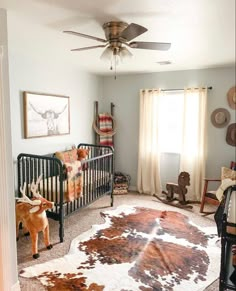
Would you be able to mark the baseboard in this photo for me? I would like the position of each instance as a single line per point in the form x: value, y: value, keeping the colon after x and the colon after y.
x: 16, y: 286
x: 133, y: 188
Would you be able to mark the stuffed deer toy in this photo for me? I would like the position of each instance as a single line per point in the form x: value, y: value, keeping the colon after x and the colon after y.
x: 33, y: 216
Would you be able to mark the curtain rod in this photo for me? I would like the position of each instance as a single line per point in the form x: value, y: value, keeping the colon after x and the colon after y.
x: 166, y: 90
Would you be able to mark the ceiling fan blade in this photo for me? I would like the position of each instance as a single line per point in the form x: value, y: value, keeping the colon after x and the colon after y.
x: 133, y: 30
x: 85, y: 35
x: 88, y: 48
x: 161, y: 46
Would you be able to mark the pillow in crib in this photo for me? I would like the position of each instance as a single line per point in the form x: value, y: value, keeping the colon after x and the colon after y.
x: 228, y: 178
x: 67, y: 156
x: 227, y: 173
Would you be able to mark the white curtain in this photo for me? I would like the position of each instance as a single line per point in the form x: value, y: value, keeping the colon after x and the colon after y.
x: 191, y: 145
x: 193, y: 150
x: 148, y: 157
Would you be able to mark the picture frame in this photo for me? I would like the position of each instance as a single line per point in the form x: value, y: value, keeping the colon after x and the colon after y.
x: 45, y: 114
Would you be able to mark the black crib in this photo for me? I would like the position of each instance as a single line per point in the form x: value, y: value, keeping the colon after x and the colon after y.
x: 98, y: 171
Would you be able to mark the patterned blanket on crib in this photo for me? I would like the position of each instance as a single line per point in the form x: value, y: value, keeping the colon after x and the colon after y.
x: 74, y: 180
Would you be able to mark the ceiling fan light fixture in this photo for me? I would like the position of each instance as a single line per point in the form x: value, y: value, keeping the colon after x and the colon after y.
x: 116, y: 54
x: 125, y: 54
x: 107, y: 54
x: 111, y: 55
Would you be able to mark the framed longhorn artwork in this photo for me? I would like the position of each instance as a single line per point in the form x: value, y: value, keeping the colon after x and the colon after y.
x: 45, y: 114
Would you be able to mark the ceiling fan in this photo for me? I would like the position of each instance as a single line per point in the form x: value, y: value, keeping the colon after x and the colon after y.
x: 118, y: 36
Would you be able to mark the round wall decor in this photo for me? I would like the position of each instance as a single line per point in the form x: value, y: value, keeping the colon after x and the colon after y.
x: 220, y: 117
x: 231, y: 134
x: 231, y: 96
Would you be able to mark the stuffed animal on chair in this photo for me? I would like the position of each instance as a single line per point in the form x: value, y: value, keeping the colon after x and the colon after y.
x: 31, y: 213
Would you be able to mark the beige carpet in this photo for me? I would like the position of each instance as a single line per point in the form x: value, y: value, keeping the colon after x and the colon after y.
x: 83, y: 220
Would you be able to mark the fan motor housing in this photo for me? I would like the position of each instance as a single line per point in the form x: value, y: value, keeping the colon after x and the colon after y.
x: 113, y: 29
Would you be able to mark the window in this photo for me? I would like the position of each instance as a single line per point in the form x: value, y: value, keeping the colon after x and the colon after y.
x: 170, y: 121
x: 177, y: 117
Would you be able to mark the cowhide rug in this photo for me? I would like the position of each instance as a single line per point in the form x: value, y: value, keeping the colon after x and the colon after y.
x: 135, y: 249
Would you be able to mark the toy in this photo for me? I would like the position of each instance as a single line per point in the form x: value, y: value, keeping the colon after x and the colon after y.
x: 179, y: 189
x: 82, y: 154
x: 31, y: 213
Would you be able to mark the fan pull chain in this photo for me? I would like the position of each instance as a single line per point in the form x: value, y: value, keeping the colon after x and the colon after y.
x: 115, y: 66
x: 111, y: 68
x: 114, y: 61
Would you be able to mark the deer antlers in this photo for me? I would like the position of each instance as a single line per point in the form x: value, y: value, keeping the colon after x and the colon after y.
x: 26, y: 199
x: 34, y: 190
x: 34, y: 187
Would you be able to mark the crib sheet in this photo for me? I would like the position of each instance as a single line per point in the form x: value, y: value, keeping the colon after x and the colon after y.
x: 50, y: 186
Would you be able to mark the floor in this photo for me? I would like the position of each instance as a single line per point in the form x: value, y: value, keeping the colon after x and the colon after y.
x: 82, y: 221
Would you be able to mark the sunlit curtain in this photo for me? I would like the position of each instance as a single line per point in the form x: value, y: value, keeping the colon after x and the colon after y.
x: 172, y: 122
x: 193, y: 149
x: 148, y: 180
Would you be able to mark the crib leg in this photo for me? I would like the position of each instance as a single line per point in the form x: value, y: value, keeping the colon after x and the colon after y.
x: 61, y: 226
x: 112, y: 201
x: 61, y: 232
x: 112, y: 198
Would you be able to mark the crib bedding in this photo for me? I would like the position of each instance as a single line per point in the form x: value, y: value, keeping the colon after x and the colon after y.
x: 74, y: 180
x: 51, y: 185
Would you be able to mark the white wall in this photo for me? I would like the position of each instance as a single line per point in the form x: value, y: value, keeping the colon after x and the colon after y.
x: 82, y: 88
x: 8, y: 268
x: 124, y: 93
x: 34, y: 67
x: 29, y: 74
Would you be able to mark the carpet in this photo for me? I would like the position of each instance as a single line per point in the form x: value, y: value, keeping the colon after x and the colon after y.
x: 136, y: 248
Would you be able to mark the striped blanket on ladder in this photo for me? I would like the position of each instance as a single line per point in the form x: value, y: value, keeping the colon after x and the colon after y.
x: 105, y: 125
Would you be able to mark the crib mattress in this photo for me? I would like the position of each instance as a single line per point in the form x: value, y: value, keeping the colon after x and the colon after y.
x: 51, y: 186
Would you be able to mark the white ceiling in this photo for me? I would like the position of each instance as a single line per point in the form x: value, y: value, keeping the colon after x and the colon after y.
x: 202, y: 32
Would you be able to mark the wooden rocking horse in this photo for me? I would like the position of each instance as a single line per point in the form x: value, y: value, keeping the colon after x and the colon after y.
x: 180, y: 189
